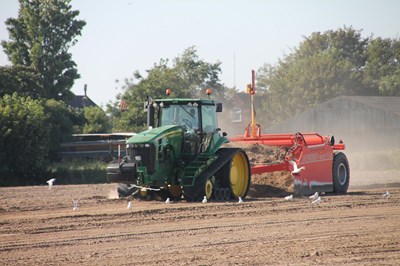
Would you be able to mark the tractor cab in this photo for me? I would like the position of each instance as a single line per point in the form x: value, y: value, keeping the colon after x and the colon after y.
x: 197, y: 118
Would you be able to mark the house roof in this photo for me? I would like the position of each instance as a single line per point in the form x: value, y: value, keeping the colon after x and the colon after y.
x: 389, y: 104
x: 81, y: 101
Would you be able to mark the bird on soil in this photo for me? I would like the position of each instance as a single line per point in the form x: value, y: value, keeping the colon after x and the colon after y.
x: 386, y: 195
x: 75, y: 205
x: 204, y: 200
x: 289, y: 198
x: 51, y: 182
x: 317, y: 201
x: 314, y: 197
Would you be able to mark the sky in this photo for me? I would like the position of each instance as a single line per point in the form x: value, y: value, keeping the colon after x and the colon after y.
x: 122, y: 36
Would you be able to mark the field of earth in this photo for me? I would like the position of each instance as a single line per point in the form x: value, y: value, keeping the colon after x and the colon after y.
x: 38, y: 226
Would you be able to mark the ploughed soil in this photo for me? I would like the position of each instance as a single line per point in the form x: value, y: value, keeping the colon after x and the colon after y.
x: 39, y: 226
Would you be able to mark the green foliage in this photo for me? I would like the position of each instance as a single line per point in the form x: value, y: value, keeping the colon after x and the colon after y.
x: 40, y: 37
x: 59, y: 124
x: 24, y: 139
x: 82, y: 172
x: 327, y: 65
x: 188, y: 76
x: 96, y: 120
x: 382, y: 71
x: 21, y: 79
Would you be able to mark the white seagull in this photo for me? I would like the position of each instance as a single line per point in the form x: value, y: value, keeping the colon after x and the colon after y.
x: 51, y: 182
x: 314, y: 197
x: 129, y: 205
x: 240, y: 200
x: 386, y: 195
x: 289, y: 198
x: 76, y: 205
x: 204, y: 200
x: 317, y: 201
x: 296, y: 170
x: 168, y: 201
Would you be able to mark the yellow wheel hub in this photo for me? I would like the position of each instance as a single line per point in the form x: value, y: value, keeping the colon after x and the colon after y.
x: 143, y: 192
x: 239, y: 174
x: 208, y: 188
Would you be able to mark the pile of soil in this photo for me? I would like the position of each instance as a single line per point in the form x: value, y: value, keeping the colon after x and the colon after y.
x: 267, y: 184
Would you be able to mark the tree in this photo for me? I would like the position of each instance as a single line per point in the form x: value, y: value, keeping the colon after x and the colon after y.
x: 21, y: 79
x: 188, y: 77
x: 24, y: 139
x: 40, y: 37
x: 322, y: 67
x: 60, y: 125
x: 382, y: 70
x: 96, y: 120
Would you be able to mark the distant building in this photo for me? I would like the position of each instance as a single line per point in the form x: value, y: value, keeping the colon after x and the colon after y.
x: 81, y: 101
x: 236, y: 114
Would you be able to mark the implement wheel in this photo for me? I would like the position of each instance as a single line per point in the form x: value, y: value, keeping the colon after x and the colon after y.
x: 340, y: 174
x: 236, y: 175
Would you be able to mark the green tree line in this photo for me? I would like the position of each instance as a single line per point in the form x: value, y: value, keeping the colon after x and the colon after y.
x: 35, y: 117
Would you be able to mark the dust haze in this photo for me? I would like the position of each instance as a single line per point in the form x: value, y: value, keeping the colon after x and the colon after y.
x: 373, y: 152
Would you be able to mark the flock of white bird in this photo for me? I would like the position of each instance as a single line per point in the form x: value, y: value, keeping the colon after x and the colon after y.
x: 315, y: 198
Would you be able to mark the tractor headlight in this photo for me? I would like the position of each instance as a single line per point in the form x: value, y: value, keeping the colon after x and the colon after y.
x: 138, y: 158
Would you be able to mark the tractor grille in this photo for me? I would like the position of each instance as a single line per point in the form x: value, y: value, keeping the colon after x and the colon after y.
x: 148, y: 154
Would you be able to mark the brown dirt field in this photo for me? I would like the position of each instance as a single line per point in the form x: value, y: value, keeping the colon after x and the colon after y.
x: 39, y: 227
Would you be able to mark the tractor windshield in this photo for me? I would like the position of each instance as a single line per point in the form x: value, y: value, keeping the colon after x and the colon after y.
x: 184, y: 115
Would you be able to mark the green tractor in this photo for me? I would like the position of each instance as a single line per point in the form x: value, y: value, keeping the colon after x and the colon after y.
x: 182, y: 154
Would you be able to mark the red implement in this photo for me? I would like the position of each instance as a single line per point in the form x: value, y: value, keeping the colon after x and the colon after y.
x: 309, y: 157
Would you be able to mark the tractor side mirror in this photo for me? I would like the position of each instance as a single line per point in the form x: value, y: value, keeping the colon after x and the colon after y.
x: 332, y: 140
x: 219, y: 107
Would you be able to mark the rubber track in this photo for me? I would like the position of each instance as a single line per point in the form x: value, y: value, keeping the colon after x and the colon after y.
x: 194, y: 193
x: 224, y: 155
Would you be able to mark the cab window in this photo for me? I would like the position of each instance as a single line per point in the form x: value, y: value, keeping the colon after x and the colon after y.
x: 209, y: 118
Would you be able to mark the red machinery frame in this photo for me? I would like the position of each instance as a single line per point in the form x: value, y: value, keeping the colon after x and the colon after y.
x: 308, y: 156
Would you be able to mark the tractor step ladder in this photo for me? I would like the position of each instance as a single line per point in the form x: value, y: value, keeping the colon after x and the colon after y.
x: 196, y: 168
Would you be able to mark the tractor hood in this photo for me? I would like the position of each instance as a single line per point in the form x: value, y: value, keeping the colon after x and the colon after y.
x: 154, y: 134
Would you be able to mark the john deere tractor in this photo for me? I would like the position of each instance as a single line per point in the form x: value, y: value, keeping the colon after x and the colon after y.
x: 182, y: 154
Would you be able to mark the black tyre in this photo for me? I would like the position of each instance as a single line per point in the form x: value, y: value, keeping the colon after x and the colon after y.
x: 340, y: 173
